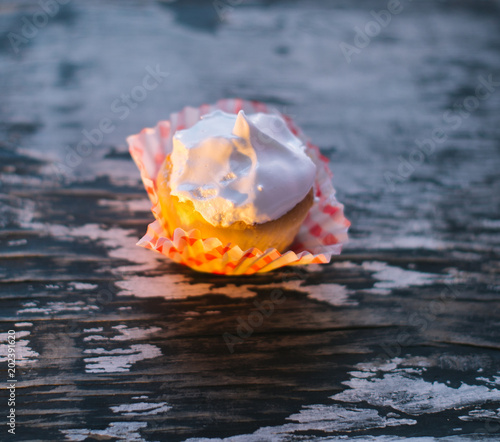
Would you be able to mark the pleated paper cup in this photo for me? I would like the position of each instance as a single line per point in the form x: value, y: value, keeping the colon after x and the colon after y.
x: 320, y: 236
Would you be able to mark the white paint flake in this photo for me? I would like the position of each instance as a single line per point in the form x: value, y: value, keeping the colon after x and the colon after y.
x: 494, y: 380
x: 179, y: 287
x: 135, y: 205
x: 390, y: 277
x: 24, y: 353
x: 17, y: 242
x: 403, y: 390
x: 93, y: 330
x: 133, y: 334
x: 52, y: 286
x: 119, y: 359
x: 333, y: 294
x: 141, y: 408
x: 56, y: 307
x: 410, y: 242
x: 482, y: 415
x: 82, y: 286
x: 324, y: 418
x: 94, y: 338
x: 123, y: 431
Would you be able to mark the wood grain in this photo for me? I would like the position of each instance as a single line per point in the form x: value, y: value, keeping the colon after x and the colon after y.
x: 397, y: 337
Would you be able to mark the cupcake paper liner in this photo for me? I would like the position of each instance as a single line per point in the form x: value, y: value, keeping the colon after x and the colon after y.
x: 321, y: 235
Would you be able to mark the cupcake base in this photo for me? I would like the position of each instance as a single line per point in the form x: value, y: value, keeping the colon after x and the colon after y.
x: 278, y: 234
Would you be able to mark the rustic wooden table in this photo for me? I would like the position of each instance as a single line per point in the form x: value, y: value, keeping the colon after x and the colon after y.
x: 397, y: 337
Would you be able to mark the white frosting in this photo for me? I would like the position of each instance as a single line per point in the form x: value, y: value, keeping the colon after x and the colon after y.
x: 241, y: 167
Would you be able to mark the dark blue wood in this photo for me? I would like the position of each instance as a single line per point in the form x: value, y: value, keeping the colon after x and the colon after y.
x: 398, y: 337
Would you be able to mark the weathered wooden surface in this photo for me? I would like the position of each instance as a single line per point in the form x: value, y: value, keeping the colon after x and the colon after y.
x: 399, y: 336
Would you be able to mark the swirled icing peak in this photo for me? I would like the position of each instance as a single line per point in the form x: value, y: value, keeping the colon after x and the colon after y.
x: 248, y: 168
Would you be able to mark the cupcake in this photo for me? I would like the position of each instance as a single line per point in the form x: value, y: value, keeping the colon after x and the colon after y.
x: 244, y: 179
x: 236, y: 188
